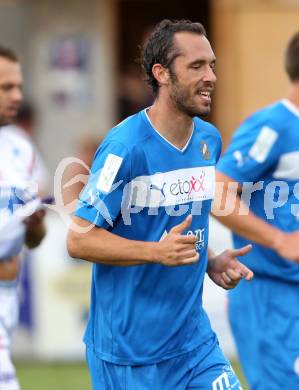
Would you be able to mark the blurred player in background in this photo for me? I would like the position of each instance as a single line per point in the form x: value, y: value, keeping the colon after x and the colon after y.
x: 75, y: 175
x: 265, y: 315
x: 25, y: 126
x: 17, y: 163
x: 149, y: 197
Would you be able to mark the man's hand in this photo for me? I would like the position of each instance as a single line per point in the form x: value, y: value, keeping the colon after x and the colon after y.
x: 225, y: 269
x: 9, y: 268
x: 35, y: 219
x: 176, y: 248
x: 35, y: 229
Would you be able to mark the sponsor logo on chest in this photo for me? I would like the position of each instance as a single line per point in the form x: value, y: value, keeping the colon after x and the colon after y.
x: 174, y: 187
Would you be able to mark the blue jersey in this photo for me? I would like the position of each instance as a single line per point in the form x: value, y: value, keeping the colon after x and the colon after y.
x: 140, y: 187
x: 265, y: 151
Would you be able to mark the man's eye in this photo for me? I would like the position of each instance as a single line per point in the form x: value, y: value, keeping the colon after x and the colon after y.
x: 6, y: 87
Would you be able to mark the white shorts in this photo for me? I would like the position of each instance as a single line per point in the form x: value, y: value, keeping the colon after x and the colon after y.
x: 8, y: 321
x: 8, y: 379
x: 9, y: 311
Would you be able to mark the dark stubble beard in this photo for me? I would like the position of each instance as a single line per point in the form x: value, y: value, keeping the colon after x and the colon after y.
x: 2, y: 121
x: 5, y: 121
x: 180, y: 97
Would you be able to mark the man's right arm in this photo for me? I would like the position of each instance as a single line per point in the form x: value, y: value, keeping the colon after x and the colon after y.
x: 249, y: 225
x: 97, y: 245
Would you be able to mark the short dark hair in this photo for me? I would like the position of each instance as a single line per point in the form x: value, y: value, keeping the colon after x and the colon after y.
x: 292, y: 58
x: 8, y: 54
x: 159, y: 47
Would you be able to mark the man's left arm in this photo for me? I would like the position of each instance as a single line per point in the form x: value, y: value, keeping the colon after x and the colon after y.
x: 226, y: 270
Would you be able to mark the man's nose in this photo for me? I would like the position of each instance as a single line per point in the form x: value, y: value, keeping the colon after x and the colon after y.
x: 210, y: 75
x: 17, y: 95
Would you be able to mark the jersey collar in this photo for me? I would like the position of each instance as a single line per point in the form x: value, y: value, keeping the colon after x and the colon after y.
x: 290, y: 106
x: 165, y: 139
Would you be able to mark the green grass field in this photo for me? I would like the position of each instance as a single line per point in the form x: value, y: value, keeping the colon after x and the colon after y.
x: 41, y: 376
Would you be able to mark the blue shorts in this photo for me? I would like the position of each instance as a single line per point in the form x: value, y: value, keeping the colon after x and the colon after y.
x: 264, y: 317
x: 203, y: 368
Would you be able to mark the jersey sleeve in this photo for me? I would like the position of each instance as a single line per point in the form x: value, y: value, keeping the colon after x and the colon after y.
x: 100, y: 201
x: 213, y: 132
x: 253, y: 153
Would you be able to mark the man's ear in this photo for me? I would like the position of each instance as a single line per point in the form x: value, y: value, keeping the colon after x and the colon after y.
x: 161, y: 74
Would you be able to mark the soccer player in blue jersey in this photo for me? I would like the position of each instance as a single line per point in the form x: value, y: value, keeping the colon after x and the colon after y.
x: 264, y: 318
x: 143, y: 221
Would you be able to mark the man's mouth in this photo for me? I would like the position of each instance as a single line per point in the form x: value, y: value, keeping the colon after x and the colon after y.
x: 12, y: 110
x: 205, y: 96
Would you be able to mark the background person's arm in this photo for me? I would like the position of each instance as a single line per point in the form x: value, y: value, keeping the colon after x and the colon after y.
x: 248, y: 224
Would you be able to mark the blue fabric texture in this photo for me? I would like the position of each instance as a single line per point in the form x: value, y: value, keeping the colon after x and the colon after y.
x: 204, y: 368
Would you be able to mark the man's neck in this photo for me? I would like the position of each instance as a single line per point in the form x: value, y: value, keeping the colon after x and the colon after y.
x: 173, y: 125
x: 293, y: 93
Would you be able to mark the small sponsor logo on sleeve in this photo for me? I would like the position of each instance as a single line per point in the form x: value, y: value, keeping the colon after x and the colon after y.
x: 239, y: 158
x: 109, y: 172
x: 296, y: 366
x: 263, y: 144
